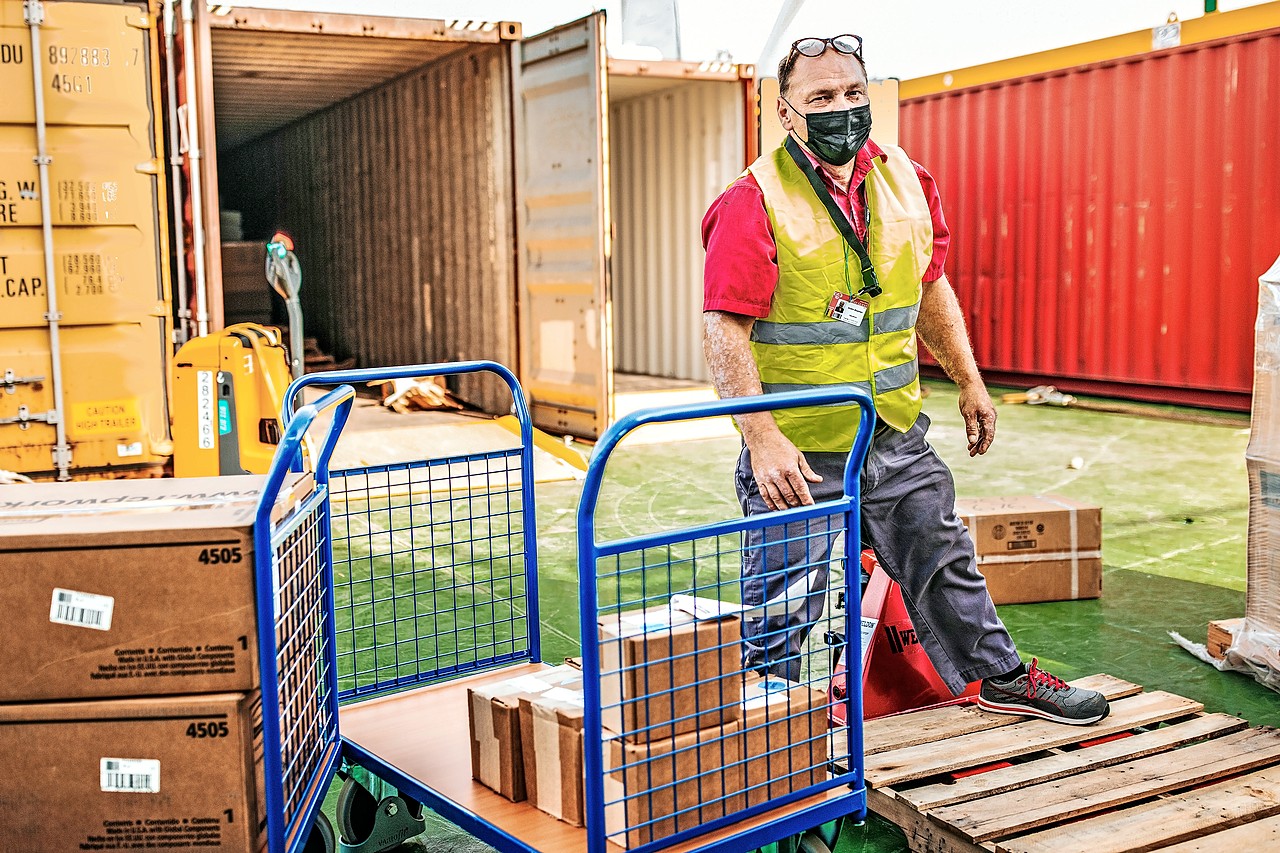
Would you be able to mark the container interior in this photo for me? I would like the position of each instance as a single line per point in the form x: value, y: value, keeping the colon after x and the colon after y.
x: 377, y: 155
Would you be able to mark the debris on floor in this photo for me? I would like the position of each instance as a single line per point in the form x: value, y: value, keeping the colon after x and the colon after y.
x: 416, y: 395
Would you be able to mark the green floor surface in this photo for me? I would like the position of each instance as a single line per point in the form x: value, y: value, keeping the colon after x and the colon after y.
x: 1174, y: 498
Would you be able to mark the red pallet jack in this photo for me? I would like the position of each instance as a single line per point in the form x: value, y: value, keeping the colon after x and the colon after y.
x: 897, y: 675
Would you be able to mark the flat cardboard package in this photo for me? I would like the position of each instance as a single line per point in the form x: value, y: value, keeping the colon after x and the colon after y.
x: 784, y: 737
x: 493, y: 716
x: 551, y: 740
x: 130, y: 587
x: 177, y: 772
x: 659, y: 788
x: 1046, y: 548
x: 663, y: 673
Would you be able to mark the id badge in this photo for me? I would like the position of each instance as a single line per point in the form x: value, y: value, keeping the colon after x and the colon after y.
x: 847, y: 309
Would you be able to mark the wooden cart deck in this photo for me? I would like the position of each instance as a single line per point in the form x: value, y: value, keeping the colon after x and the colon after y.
x: 423, y: 734
x: 1156, y: 774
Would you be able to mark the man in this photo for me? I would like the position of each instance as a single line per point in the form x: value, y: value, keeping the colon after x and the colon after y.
x: 824, y: 262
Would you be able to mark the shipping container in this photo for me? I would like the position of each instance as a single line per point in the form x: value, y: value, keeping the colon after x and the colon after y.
x: 457, y: 191
x: 85, y: 334
x: 1111, y: 206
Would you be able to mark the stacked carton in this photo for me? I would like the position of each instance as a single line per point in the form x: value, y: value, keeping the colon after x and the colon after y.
x: 688, y: 736
x: 128, y: 688
x: 1030, y: 549
x: 671, y: 697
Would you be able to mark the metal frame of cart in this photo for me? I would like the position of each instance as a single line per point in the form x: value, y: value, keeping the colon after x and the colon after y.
x: 431, y: 586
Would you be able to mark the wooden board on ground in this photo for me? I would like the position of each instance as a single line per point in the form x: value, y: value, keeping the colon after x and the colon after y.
x: 1220, y: 636
x: 1156, y: 773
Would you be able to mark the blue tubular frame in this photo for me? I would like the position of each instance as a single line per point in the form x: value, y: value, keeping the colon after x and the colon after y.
x: 288, y: 832
x: 529, y: 521
x: 589, y: 553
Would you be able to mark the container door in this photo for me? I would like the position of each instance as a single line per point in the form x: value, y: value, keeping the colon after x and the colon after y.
x: 563, y: 228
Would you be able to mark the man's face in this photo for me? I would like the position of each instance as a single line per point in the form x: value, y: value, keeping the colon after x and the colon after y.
x: 821, y: 84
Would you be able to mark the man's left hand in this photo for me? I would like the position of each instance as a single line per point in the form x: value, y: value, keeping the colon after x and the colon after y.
x: 979, y: 417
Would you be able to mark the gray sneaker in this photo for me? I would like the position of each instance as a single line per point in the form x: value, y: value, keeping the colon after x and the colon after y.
x: 1039, y: 694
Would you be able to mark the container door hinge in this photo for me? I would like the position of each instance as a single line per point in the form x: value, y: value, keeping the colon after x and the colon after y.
x: 24, y: 419
x: 141, y: 22
x: 11, y: 381
x: 148, y: 167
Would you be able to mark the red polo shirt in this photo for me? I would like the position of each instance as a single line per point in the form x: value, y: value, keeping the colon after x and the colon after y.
x: 741, y: 269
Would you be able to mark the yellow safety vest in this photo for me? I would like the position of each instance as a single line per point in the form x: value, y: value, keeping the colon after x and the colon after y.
x: 797, y: 346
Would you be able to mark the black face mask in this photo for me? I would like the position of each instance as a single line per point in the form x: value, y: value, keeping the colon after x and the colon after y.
x: 837, y: 137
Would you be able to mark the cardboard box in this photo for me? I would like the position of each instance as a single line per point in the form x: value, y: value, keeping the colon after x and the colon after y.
x: 784, y: 737
x: 663, y: 673
x: 493, y: 715
x: 551, y: 741
x: 130, y: 587
x: 1046, y: 548
x: 133, y: 774
x: 659, y: 788
x: 1054, y: 579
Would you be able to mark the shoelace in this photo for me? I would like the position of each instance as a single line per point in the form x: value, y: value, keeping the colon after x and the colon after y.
x: 1037, y: 676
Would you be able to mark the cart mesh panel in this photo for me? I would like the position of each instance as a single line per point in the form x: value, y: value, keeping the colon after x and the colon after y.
x: 705, y: 720
x: 308, y: 729
x: 429, y: 570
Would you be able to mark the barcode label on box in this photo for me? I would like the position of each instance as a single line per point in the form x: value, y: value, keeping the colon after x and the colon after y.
x: 129, y: 775
x: 82, y: 609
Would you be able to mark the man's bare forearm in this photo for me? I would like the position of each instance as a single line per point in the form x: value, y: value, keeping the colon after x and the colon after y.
x: 726, y: 342
x: 941, y: 327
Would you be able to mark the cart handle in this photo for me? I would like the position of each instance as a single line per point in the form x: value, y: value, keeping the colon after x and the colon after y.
x: 732, y: 406
x: 411, y: 371
x: 289, y: 455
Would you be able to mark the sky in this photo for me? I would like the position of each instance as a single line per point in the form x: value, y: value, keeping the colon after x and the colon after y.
x: 902, y: 38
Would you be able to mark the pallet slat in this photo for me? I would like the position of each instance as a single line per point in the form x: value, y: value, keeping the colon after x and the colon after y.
x: 929, y: 726
x: 1259, y: 835
x: 1170, y: 820
x: 994, y: 782
x: 918, y: 762
x: 1111, y: 787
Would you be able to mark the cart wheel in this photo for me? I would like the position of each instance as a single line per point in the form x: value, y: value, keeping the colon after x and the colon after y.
x: 321, y: 839
x: 811, y: 843
x: 357, y: 812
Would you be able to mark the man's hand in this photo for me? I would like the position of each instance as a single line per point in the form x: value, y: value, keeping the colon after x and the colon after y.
x: 781, y: 471
x: 979, y: 417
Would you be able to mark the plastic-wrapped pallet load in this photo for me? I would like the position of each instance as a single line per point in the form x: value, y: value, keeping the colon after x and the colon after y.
x: 1257, y: 644
x: 1254, y: 646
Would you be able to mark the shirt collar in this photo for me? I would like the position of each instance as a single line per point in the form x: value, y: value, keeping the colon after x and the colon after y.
x: 862, y: 164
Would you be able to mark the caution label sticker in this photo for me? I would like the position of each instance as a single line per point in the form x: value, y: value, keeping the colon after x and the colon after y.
x: 106, y: 417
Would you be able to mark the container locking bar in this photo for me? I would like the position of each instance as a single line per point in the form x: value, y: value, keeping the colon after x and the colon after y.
x: 10, y: 382
x: 24, y: 419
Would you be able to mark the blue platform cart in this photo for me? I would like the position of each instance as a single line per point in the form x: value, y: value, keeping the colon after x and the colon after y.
x: 431, y: 588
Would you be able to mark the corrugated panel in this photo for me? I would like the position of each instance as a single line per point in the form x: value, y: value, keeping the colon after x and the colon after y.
x: 312, y: 61
x: 672, y: 152
x: 1109, y: 223
x: 106, y: 204
x: 403, y: 223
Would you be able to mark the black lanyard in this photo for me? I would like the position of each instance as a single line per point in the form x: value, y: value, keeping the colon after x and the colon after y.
x: 870, y: 283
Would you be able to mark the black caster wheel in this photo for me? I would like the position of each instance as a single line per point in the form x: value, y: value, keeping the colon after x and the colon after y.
x: 322, y: 839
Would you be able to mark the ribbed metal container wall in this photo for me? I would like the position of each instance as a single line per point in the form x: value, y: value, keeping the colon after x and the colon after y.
x: 672, y: 152
x: 1109, y: 222
x: 400, y: 203
x: 99, y: 68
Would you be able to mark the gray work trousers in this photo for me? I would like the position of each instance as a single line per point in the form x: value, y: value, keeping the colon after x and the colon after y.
x: 909, y: 519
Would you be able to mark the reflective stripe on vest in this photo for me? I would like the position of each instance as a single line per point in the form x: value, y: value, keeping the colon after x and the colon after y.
x: 797, y: 346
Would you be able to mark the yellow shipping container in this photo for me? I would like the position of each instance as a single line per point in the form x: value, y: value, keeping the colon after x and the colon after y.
x: 100, y: 73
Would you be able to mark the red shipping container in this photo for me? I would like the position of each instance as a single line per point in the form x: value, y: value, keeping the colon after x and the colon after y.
x: 1110, y: 221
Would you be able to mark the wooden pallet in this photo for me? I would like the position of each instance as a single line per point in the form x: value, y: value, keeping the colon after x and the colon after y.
x: 1220, y: 636
x: 1156, y: 774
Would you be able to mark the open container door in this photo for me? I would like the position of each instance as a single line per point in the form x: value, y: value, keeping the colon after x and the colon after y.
x: 563, y: 227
